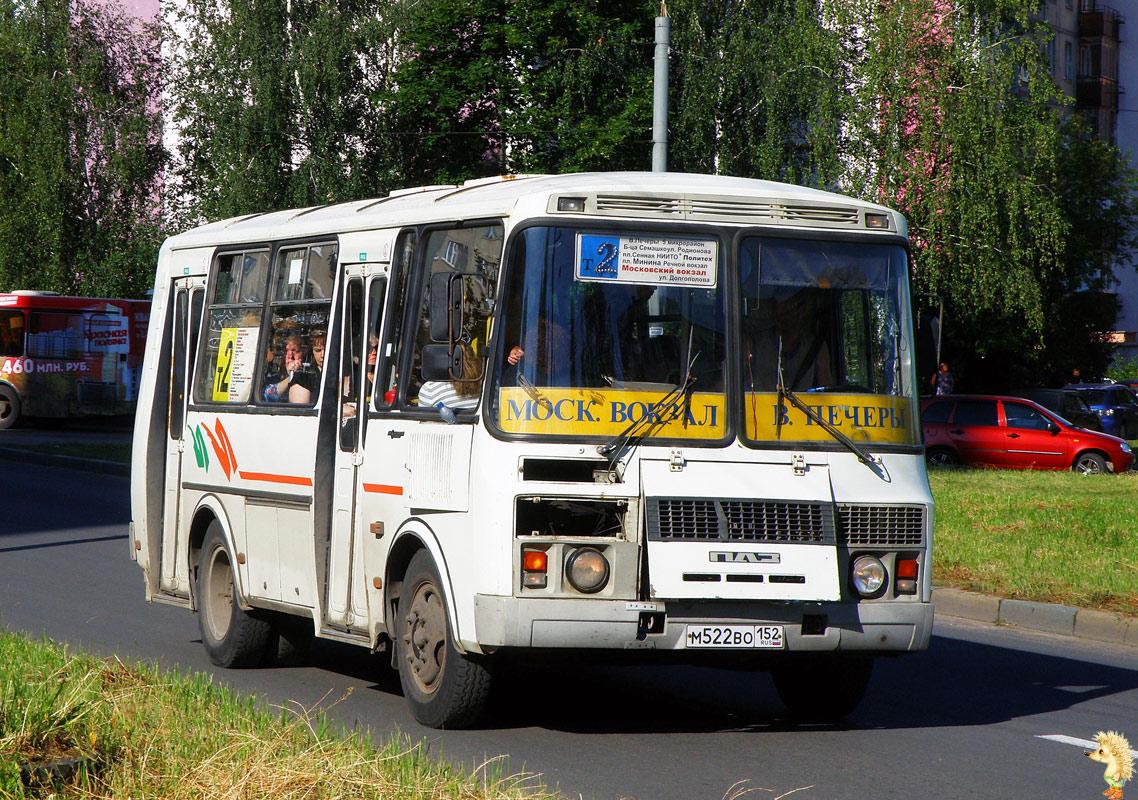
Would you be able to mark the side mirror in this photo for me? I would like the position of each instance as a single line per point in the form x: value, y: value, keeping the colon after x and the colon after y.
x: 441, y: 362
x: 446, y: 307
x: 1053, y: 428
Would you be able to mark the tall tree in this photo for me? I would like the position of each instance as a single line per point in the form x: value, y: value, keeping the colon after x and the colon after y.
x: 1097, y: 191
x: 585, y: 85
x: 957, y: 122
x: 759, y: 90
x: 451, y: 89
x: 272, y: 103
x: 80, y: 149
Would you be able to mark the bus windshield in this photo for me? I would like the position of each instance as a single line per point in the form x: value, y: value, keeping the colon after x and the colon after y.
x: 833, y: 316
x: 598, y: 328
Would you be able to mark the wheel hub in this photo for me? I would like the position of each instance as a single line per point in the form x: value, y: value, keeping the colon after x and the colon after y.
x: 218, y: 602
x: 424, y: 638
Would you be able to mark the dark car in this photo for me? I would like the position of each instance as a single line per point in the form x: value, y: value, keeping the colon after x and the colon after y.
x: 1116, y: 406
x: 1067, y: 403
x: 986, y: 430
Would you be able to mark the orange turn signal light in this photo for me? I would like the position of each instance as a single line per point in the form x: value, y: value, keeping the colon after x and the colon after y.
x: 534, y: 560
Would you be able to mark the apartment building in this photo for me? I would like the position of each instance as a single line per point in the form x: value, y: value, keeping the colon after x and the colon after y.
x: 1090, y: 63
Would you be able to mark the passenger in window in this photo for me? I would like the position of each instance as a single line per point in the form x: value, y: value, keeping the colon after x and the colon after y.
x: 295, y: 384
x: 455, y: 395
x: 318, y: 341
x: 303, y: 389
x: 372, y: 357
x: 349, y: 409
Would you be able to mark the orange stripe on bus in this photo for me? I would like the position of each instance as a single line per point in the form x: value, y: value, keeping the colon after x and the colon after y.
x: 382, y: 488
x: 293, y: 480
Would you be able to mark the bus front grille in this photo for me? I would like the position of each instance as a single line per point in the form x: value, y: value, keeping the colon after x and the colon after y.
x: 881, y: 526
x: 702, y: 519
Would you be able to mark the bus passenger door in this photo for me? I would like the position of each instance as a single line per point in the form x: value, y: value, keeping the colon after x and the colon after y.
x: 187, y: 299
x: 347, y: 592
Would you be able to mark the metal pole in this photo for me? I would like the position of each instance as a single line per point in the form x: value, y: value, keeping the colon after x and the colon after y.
x: 660, y: 92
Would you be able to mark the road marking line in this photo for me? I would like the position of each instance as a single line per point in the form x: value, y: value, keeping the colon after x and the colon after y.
x: 1086, y: 744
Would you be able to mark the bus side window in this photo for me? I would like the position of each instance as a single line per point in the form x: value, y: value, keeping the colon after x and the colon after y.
x: 299, y: 307
x: 402, y: 282
x: 11, y: 333
x: 377, y: 292
x: 350, y: 391
x: 474, y: 254
x: 229, y: 361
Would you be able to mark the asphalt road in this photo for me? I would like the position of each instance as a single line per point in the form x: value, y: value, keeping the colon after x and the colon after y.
x: 963, y: 720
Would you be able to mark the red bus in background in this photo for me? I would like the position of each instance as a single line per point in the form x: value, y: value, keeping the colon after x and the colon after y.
x: 66, y: 357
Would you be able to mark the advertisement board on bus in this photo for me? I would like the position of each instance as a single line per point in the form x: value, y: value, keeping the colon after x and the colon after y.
x: 64, y: 357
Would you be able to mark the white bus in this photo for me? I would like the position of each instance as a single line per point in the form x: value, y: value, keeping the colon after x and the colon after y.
x: 667, y: 416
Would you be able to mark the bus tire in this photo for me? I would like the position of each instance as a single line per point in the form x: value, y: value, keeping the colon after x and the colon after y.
x: 822, y: 688
x: 444, y: 688
x: 231, y: 636
x: 9, y: 407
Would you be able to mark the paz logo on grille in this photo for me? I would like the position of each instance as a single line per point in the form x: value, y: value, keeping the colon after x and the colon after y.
x: 729, y: 557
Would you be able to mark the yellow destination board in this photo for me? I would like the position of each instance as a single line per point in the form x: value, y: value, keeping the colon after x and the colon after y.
x: 607, y: 412
x: 862, y: 417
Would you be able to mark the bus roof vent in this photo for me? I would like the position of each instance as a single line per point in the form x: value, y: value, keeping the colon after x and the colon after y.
x: 735, y: 209
x: 727, y: 209
x: 640, y: 206
x: 842, y: 215
x: 34, y: 293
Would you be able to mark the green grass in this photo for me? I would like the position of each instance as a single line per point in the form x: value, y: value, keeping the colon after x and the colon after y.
x: 151, y: 734
x: 101, y: 451
x: 1056, y: 537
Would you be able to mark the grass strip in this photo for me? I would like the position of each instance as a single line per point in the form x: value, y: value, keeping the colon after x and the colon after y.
x: 139, y: 732
x: 1055, y: 537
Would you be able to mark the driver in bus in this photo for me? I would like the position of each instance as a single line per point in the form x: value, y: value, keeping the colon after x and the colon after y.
x: 788, y: 323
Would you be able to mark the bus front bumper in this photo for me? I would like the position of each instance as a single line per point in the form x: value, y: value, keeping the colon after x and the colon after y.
x: 882, y: 627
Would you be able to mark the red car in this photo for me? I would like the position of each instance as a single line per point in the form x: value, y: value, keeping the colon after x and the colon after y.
x: 1010, y: 432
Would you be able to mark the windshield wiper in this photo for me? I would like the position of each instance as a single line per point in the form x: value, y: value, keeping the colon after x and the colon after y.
x: 534, y: 394
x: 863, y: 456
x: 612, y: 448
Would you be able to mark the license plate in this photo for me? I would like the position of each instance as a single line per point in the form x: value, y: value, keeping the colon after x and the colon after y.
x: 734, y: 636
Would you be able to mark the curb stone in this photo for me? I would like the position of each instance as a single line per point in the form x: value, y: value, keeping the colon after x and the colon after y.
x: 1083, y: 623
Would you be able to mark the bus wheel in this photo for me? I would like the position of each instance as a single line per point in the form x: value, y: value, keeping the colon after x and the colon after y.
x: 232, y: 637
x: 444, y: 688
x: 822, y: 688
x: 9, y: 407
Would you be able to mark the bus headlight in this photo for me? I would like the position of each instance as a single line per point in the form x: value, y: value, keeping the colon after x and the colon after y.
x: 587, y: 570
x: 868, y: 575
